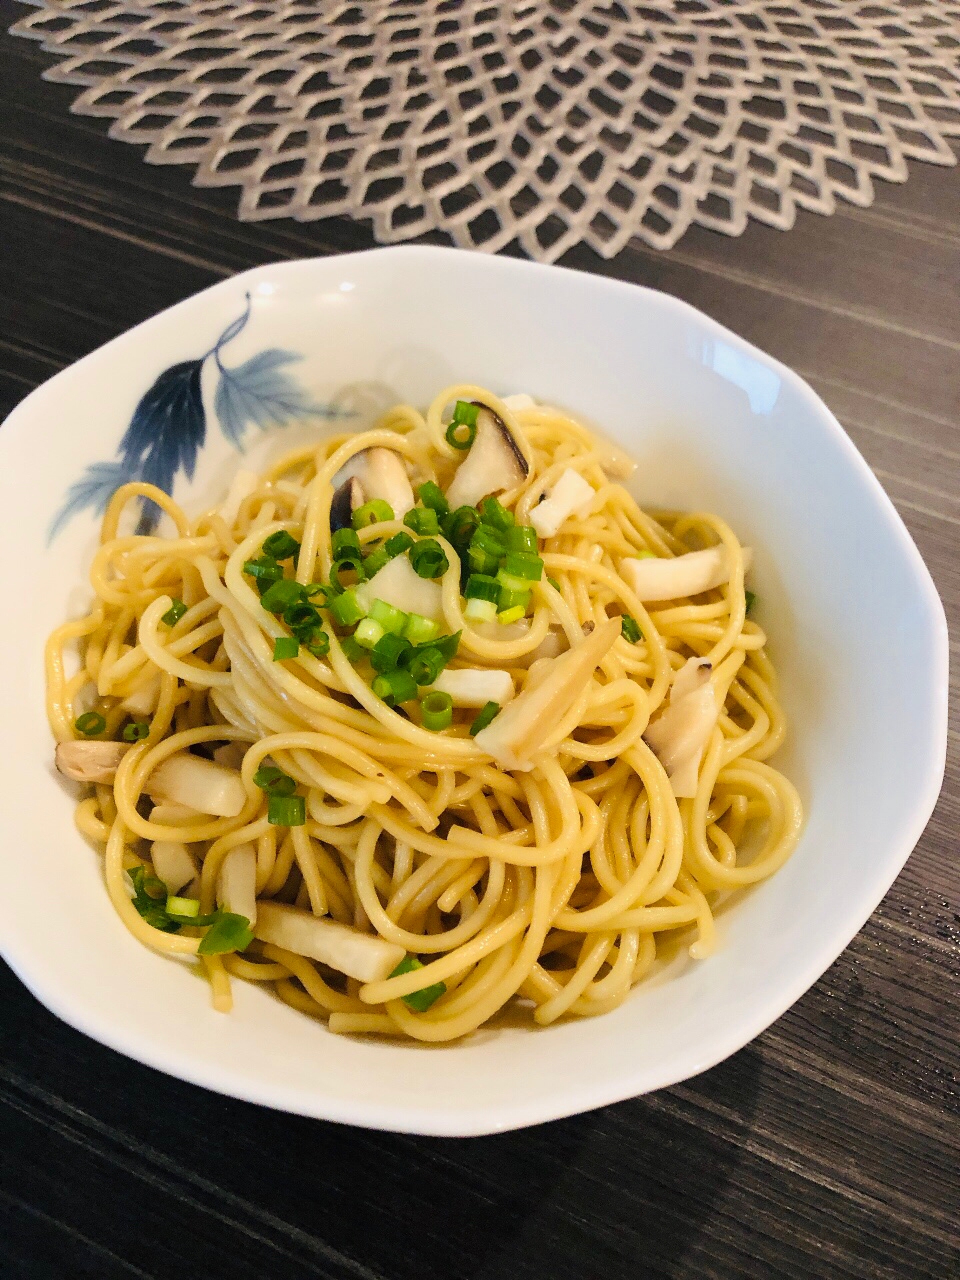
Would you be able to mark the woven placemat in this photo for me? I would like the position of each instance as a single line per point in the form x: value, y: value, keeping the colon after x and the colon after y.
x: 547, y: 123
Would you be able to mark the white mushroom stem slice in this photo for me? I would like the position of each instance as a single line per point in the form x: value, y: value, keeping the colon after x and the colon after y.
x: 359, y: 955
x: 520, y: 400
x: 173, y: 863
x: 526, y: 722
x: 382, y: 475
x: 198, y: 783
x: 570, y: 494
x: 399, y: 584
x: 230, y: 755
x: 475, y: 686
x: 687, y: 575
x: 495, y: 462
x: 237, y: 882
x: 169, y: 813
x: 143, y: 701
x: 680, y: 735
x: 90, y: 761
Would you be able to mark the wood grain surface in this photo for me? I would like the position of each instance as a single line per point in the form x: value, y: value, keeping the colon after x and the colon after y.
x: 830, y: 1147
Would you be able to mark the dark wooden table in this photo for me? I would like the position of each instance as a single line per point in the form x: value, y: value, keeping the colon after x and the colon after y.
x: 827, y: 1148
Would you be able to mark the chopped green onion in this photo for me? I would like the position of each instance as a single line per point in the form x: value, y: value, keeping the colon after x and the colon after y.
x: 374, y: 562
x: 513, y: 599
x: 426, y: 664
x: 429, y: 559
x: 395, y: 686
x: 149, y: 898
x: 644, y: 555
x: 374, y: 512
x: 420, y: 1001
x: 751, y: 599
x: 90, y: 724
x: 264, y: 569
x: 368, y: 632
x: 431, y: 495
x: 302, y: 616
x: 182, y: 906
x: 459, y: 526
x: 399, y: 543
x: 343, y: 541
x: 511, y: 614
x: 420, y: 630
x: 281, y: 546
x: 487, y: 713
x: 523, y: 564
x: 353, y: 564
x: 317, y: 591
x: 448, y: 645
x: 521, y: 537
x: 230, y: 932
x: 481, y: 586
x: 392, y: 620
x: 390, y: 651
x: 346, y: 608
x: 286, y: 811
x: 319, y: 644
x: 174, y: 613
x: 494, y: 514
x: 436, y: 711
x: 554, y: 583
x: 136, y: 731
x: 480, y: 561
x: 461, y: 434
x: 629, y: 629
x: 274, y: 781
x: 485, y: 539
x: 281, y: 595
x: 478, y: 610
x: 509, y: 582
x: 285, y: 647
x: 466, y: 412
x: 422, y: 520
x: 352, y: 651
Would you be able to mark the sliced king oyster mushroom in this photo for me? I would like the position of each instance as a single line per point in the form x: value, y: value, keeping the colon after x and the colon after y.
x: 495, y: 462
x: 381, y: 474
x: 344, y: 503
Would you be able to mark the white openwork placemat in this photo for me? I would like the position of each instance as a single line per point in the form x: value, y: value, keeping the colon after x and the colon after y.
x: 547, y: 123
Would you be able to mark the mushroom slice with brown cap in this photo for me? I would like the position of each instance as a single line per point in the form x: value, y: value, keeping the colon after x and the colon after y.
x: 188, y: 779
x: 344, y: 503
x: 679, y: 736
x: 382, y: 475
x: 495, y: 462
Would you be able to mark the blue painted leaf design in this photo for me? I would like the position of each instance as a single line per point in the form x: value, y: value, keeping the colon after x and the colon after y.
x: 261, y: 392
x: 92, y: 492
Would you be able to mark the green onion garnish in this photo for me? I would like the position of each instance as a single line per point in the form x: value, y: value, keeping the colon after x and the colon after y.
x: 285, y: 647
x: 390, y: 651
x: 187, y: 907
x: 149, y: 898
x: 448, y: 645
x: 344, y: 540
x: 461, y: 435
x: 630, y: 629
x: 317, y: 591
x: 420, y: 630
x: 486, y: 714
x: 512, y: 599
x: 480, y: 586
x: 429, y: 559
x: 281, y: 546
x: 229, y: 932
x: 286, y: 811
x: 466, y: 412
x: 349, y: 563
x: 400, y: 542
x: 281, y: 595
x: 346, y: 608
x: 523, y: 564
x: 264, y: 569
x: 521, y: 537
x: 374, y: 512
x: 751, y: 599
x: 319, y: 644
x: 486, y: 539
x: 274, y: 781
x: 493, y: 513
x: 422, y: 520
x: 431, y: 495
x: 436, y: 711
x: 395, y: 686
x: 136, y: 731
x: 90, y: 724
x: 390, y: 618
x: 554, y: 583
x: 352, y: 651
x: 174, y: 613
x: 459, y: 526
x: 301, y: 616
x: 513, y: 613
x: 368, y: 632
x: 374, y: 562
x: 426, y: 664
x: 420, y: 1001
x: 478, y: 610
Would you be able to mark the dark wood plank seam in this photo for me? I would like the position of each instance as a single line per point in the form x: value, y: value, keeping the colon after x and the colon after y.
x: 866, y: 394
x: 23, y: 1207
x: 906, y: 225
x: 156, y: 1169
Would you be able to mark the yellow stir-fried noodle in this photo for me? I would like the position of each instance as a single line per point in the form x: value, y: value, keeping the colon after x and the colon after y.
x: 584, y: 779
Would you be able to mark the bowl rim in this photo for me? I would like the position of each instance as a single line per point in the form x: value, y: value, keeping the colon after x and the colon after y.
x: 502, y: 1116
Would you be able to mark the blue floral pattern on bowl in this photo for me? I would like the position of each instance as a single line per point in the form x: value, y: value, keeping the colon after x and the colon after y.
x: 169, y: 426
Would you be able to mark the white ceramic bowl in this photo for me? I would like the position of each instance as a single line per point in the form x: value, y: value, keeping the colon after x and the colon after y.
x: 855, y: 625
